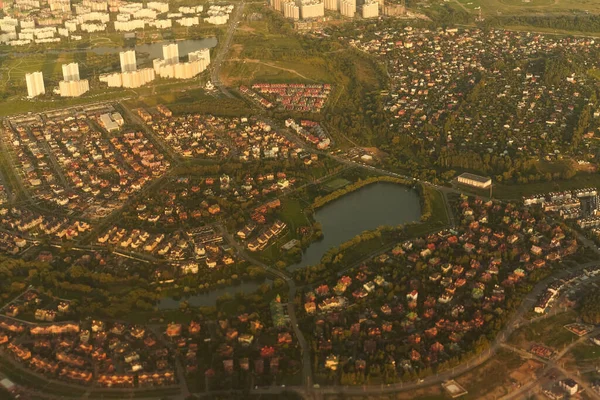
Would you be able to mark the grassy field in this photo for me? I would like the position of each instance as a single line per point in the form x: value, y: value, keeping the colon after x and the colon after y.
x: 549, y: 332
x: 580, y: 180
x: 521, y: 7
x: 266, y: 50
x: 586, y: 352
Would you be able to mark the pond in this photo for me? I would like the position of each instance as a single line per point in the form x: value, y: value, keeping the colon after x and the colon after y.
x: 365, y: 209
x: 209, y: 299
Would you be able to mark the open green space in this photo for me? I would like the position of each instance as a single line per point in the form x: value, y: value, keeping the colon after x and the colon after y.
x: 335, y: 184
x: 516, y: 192
x: 521, y: 7
x: 585, y: 352
x: 549, y: 331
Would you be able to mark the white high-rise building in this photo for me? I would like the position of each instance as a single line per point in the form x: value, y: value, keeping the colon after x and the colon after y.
x: 128, y: 61
x: 70, y: 72
x: 291, y: 10
x: 73, y: 88
x: 72, y: 85
x: 200, y: 54
x: 171, y: 53
x: 348, y: 8
x: 311, y: 9
x: 370, y: 9
x: 35, y: 84
x: 332, y: 5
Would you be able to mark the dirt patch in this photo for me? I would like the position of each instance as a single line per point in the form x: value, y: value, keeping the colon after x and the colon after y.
x: 246, y: 28
x: 526, y: 372
x: 236, y: 50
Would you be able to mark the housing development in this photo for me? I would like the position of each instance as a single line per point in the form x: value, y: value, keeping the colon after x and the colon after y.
x: 299, y: 199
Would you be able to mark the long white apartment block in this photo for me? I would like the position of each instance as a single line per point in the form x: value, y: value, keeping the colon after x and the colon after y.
x: 197, y: 62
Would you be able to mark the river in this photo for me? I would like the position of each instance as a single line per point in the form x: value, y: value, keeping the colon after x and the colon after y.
x: 368, y: 208
x: 209, y: 299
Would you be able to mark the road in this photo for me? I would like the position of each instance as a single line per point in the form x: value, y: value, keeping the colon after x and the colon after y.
x: 306, y: 364
x: 498, y: 343
x: 217, y: 62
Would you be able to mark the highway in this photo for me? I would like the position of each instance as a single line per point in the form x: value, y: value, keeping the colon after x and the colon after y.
x: 217, y: 62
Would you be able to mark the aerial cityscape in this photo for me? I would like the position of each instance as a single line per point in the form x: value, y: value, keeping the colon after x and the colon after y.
x: 299, y: 199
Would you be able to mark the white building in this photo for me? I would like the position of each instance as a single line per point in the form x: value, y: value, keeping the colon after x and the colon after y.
x: 197, y: 62
x: 128, y: 61
x: 90, y: 28
x: 135, y: 79
x: 35, y: 84
x: 200, y: 54
x: 158, y: 6
x: 128, y: 26
x: 188, y: 21
x: 311, y: 9
x: 217, y: 19
x: 73, y: 88
x: 171, y: 53
x: 70, y: 72
x: 161, y: 23
x: 72, y: 85
x: 71, y: 25
x: 332, y: 5
x: 277, y: 5
x: 291, y: 10
x: 348, y: 8
x: 370, y: 9
x: 63, y: 6
x: 96, y: 5
x: 477, y: 181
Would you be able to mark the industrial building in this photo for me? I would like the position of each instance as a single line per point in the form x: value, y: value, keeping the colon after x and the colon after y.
x: 481, y: 182
x: 35, y: 84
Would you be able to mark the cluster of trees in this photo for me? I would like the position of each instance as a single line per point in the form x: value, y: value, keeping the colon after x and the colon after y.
x: 589, y: 307
x: 581, y: 23
x: 322, y: 200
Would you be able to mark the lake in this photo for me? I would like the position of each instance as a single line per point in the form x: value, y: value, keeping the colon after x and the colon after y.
x: 368, y: 208
x: 342, y: 219
x: 143, y: 51
x: 209, y: 299
x: 154, y: 50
